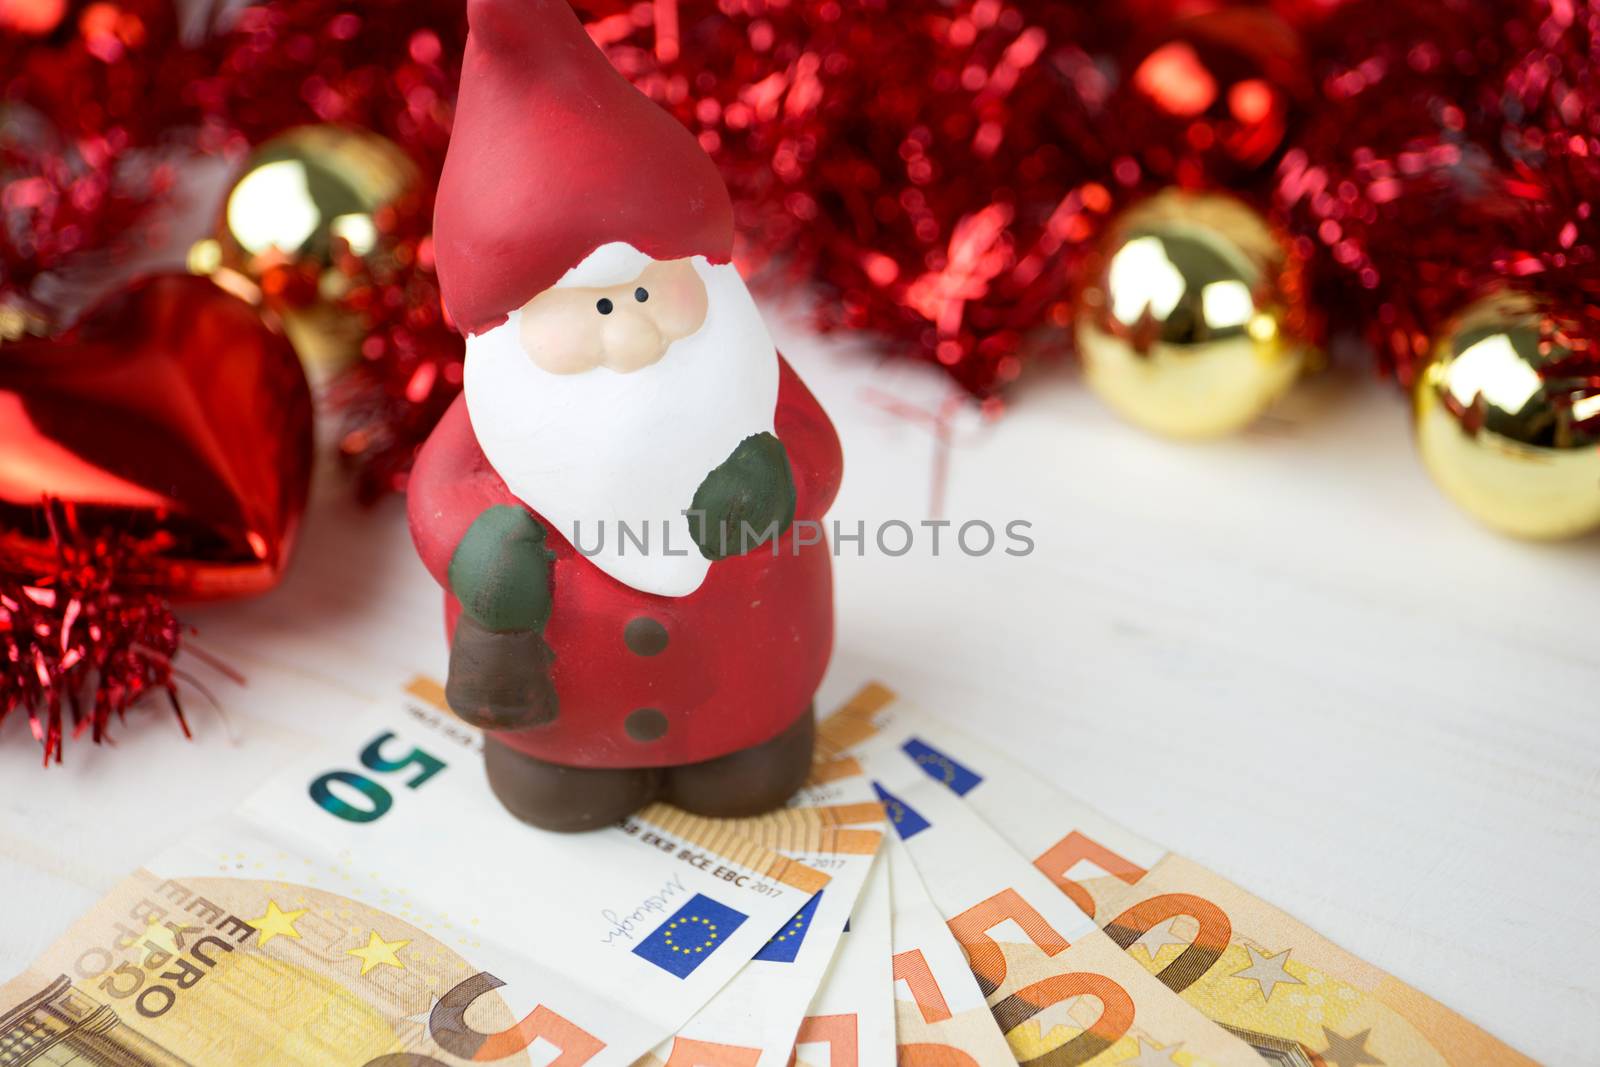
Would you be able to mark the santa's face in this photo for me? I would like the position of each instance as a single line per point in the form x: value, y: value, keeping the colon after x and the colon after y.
x: 624, y: 327
x: 608, y: 398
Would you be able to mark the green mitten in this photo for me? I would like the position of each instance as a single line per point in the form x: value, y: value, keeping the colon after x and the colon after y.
x: 501, y: 571
x: 746, y: 501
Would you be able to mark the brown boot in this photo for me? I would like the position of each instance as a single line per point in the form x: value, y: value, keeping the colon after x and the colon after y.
x: 555, y: 797
x: 748, y: 782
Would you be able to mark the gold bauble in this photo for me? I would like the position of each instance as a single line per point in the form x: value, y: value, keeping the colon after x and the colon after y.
x: 1190, y: 322
x: 1499, y: 433
x: 300, y: 200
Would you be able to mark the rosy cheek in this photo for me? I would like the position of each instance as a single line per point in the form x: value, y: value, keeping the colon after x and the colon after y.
x: 562, y: 337
x: 680, y: 304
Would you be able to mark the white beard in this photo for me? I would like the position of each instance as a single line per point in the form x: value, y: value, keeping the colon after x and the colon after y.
x: 603, y: 447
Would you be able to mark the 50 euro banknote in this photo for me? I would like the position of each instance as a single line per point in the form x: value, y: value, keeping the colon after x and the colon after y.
x: 850, y: 1022
x: 941, y: 1017
x: 1297, y: 998
x: 373, y: 906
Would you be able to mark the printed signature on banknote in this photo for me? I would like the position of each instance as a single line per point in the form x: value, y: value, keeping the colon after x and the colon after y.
x: 626, y: 923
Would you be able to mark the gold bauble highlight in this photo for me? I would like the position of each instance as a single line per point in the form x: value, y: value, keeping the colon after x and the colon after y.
x: 1191, y: 319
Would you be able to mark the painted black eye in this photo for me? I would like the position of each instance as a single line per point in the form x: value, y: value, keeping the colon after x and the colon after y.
x: 641, y: 294
x: 603, y: 306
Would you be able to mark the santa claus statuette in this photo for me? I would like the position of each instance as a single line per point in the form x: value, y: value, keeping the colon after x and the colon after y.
x: 612, y: 504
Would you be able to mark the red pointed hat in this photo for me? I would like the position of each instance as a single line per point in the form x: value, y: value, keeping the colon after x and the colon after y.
x: 552, y: 155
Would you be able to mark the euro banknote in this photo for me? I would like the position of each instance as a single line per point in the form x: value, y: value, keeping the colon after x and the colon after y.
x: 1061, y: 991
x: 850, y: 1022
x: 1293, y: 995
x: 373, y: 906
x: 753, y: 1021
x: 941, y: 1018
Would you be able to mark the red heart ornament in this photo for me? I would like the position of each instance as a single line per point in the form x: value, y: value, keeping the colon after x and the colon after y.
x: 171, y: 411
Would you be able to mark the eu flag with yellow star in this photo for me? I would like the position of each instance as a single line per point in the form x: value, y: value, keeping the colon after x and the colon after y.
x: 690, y: 935
x: 785, y: 944
x: 906, y: 820
x: 941, y: 768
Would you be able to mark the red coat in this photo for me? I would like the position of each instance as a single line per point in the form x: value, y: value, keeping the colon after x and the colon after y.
x: 743, y: 654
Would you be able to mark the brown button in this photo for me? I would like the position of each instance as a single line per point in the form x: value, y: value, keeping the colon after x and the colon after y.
x: 646, y: 724
x: 645, y: 636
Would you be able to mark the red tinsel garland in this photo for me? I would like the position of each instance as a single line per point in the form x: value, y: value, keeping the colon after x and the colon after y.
x: 91, y: 106
x: 390, y: 66
x: 72, y: 645
x: 949, y: 208
x: 934, y: 167
x: 1549, y: 117
x: 1392, y: 183
x: 1456, y: 153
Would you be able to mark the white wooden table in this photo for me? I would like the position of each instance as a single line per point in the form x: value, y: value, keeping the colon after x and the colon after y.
x: 1284, y: 655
